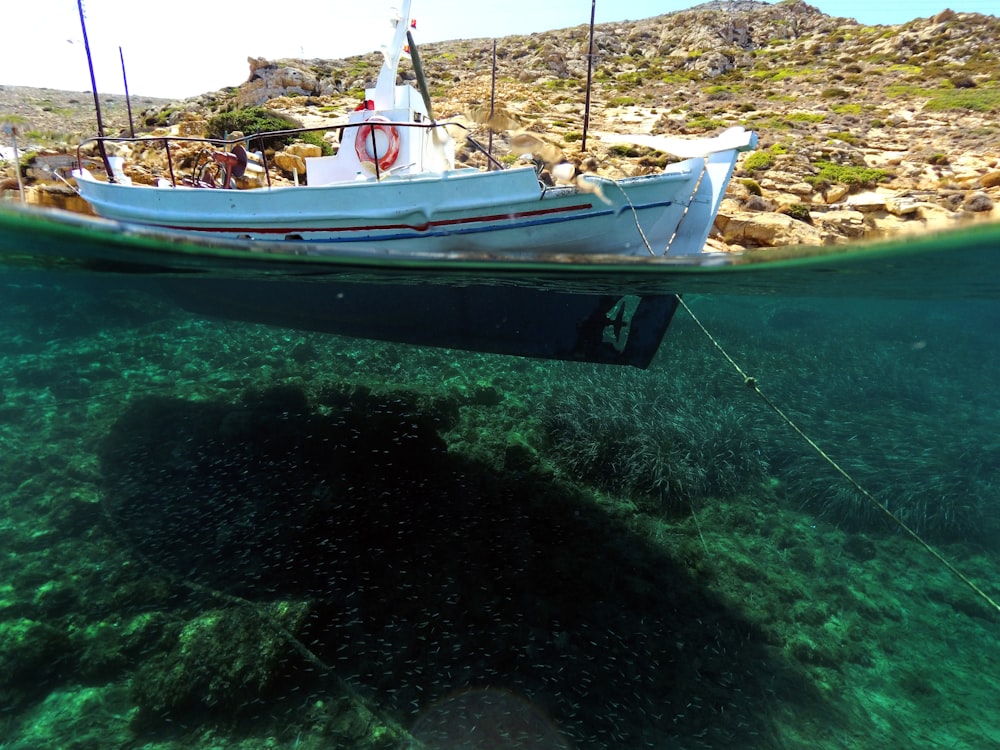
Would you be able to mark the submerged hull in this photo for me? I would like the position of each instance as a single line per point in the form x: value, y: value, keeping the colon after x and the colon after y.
x: 411, y: 302
x: 522, y: 321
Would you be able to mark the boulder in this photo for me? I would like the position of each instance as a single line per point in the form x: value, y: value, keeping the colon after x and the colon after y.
x: 293, y: 157
x: 842, y: 222
x: 867, y: 202
x: 990, y: 180
x: 901, y: 205
x: 836, y: 193
x: 977, y: 203
x: 270, y: 80
x: 768, y: 230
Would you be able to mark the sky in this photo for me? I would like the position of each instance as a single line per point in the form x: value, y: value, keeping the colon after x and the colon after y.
x: 177, y: 49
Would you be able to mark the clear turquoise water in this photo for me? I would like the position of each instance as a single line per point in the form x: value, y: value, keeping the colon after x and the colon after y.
x: 218, y: 534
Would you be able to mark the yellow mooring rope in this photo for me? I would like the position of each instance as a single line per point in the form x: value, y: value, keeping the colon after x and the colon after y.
x: 751, y: 382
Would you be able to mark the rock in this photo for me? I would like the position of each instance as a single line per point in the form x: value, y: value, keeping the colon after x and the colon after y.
x: 785, y: 201
x: 191, y: 125
x: 801, y: 189
x: 768, y: 230
x: 867, y: 202
x: 843, y: 222
x: 990, y: 180
x: 220, y: 659
x: 901, y: 205
x: 977, y: 203
x: 290, y: 162
x: 269, y: 80
x: 836, y: 193
x: 305, y: 150
x: 293, y: 157
x: 759, y: 203
x: 31, y: 652
x: 713, y: 64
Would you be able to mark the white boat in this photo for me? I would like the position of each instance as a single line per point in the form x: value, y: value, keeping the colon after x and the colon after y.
x: 393, y: 188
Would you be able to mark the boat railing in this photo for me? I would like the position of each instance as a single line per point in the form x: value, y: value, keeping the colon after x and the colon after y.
x: 231, y: 154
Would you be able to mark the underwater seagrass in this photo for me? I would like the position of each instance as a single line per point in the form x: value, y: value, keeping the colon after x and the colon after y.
x: 632, y: 432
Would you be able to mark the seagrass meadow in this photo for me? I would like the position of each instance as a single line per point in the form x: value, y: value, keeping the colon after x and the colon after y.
x: 219, y: 534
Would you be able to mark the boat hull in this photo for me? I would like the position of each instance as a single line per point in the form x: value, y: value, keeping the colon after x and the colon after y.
x: 458, y: 211
x: 411, y: 301
x: 522, y: 321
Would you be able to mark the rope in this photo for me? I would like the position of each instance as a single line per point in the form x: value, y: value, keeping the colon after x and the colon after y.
x: 635, y: 214
x: 751, y: 383
x: 687, y: 206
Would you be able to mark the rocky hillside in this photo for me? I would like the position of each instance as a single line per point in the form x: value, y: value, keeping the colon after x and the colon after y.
x: 865, y: 131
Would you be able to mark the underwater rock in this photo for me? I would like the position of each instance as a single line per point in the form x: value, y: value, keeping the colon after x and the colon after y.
x: 31, y: 654
x: 222, y: 659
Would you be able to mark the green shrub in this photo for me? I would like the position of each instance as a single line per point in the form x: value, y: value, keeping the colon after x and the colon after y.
x: 977, y: 100
x: 845, y: 136
x: 629, y: 79
x: 805, y: 117
x: 758, y: 161
x: 703, y: 122
x: 798, y: 211
x: 847, y: 174
x: 624, y: 149
x: 316, y: 138
x: 249, y: 121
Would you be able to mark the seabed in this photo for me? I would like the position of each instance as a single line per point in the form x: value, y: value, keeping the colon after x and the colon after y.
x: 219, y: 534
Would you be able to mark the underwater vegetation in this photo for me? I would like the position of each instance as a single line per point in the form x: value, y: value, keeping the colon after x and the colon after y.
x: 340, y: 516
x: 906, y: 414
x: 633, y: 435
x: 225, y: 535
x: 649, y: 439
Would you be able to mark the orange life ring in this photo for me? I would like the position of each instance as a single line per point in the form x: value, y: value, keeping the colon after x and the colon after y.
x: 364, y: 147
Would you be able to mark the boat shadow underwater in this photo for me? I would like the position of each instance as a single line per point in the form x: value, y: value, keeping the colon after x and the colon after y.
x: 415, y: 573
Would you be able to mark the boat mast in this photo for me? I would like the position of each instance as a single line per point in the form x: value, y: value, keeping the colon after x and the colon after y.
x: 128, y: 100
x: 97, y: 98
x: 590, y: 72
x: 493, y: 100
x: 385, y: 86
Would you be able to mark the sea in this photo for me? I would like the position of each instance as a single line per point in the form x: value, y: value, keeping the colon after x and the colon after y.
x: 783, y: 533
